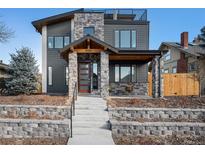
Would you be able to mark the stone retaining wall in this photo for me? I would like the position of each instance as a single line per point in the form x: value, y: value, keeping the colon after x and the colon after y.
x: 131, y: 114
x: 34, y: 111
x: 26, y: 128
x: 126, y: 128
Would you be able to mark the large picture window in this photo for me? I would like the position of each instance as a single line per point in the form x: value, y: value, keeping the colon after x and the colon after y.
x: 58, y: 41
x: 125, y: 39
x: 125, y: 73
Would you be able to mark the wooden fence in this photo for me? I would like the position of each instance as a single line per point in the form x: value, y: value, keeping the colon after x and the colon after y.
x: 179, y: 84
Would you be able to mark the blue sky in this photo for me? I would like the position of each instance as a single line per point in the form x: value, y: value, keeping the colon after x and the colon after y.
x: 165, y: 25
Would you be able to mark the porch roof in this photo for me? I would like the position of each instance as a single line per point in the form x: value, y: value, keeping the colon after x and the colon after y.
x: 90, y: 44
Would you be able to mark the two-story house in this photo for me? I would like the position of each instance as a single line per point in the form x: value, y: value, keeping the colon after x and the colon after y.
x: 4, y: 74
x: 105, y: 52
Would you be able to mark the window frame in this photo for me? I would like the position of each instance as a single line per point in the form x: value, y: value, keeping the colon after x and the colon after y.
x: 166, y: 70
x: 50, y: 75
x: 166, y: 55
x: 89, y: 27
x: 54, y: 41
x: 131, y: 36
x: 174, y: 68
x: 121, y: 65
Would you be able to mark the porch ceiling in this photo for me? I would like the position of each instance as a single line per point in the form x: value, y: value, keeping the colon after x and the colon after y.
x: 129, y: 57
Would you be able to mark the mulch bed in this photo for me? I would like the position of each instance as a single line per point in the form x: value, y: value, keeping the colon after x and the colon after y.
x: 34, y: 100
x: 156, y: 140
x: 167, y: 102
x: 33, y: 141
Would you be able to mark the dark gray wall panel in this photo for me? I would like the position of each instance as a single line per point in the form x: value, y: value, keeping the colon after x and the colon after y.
x: 55, y: 61
x: 142, y: 34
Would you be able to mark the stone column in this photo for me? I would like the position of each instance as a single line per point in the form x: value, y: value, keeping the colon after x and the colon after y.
x: 73, y: 72
x: 104, y: 75
x: 156, y: 77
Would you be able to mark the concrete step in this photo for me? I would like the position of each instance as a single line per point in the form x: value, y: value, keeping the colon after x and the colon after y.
x: 90, y: 118
x: 90, y: 124
x: 90, y: 112
x: 90, y: 140
x: 80, y: 107
x: 91, y: 131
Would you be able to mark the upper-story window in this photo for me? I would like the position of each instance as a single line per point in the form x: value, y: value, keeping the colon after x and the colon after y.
x: 125, y: 39
x: 58, y: 41
x: 167, y: 56
x: 89, y: 31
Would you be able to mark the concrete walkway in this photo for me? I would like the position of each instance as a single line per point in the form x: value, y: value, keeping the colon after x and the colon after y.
x: 90, y: 123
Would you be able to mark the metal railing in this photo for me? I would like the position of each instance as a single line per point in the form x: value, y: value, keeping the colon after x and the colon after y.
x: 72, y: 108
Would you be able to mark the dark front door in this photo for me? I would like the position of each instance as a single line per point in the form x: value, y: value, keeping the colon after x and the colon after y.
x: 84, y: 77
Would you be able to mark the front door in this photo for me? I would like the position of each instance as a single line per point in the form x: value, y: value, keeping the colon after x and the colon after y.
x: 84, y: 77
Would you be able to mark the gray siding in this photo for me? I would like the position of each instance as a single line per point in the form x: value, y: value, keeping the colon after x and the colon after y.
x: 141, y: 30
x: 55, y: 61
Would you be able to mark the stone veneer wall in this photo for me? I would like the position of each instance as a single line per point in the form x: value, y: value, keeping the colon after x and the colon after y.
x: 73, y: 72
x: 156, y: 89
x: 126, y: 128
x: 128, y: 113
x: 104, y: 74
x: 119, y: 89
x: 26, y: 128
x: 124, y: 121
x: 82, y: 20
x: 35, y: 111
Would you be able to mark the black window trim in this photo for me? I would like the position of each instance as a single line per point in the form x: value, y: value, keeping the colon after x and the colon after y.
x: 89, y: 27
x: 54, y: 41
x: 130, y: 38
x: 120, y: 65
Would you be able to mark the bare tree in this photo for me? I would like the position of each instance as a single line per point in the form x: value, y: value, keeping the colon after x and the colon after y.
x: 5, y: 32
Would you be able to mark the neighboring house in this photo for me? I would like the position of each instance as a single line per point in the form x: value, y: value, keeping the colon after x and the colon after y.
x: 4, y: 73
x: 184, y: 57
x: 103, y: 51
x: 181, y: 57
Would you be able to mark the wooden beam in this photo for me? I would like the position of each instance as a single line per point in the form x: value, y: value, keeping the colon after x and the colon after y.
x: 131, y: 57
x: 88, y: 50
x: 88, y: 43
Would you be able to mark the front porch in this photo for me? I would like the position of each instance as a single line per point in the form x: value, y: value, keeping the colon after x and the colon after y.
x: 100, y: 69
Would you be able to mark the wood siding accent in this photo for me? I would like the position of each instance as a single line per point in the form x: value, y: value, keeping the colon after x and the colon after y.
x: 179, y: 84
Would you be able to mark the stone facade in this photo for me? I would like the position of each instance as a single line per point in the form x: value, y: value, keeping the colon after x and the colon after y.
x: 120, y: 89
x: 73, y: 72
x: 34, y: 111
x: 82, y: 20
x: 156, y: 78
x: 163, y: 114
x: 30, y: 128
x: 126, y: 128
x: 104, y: 74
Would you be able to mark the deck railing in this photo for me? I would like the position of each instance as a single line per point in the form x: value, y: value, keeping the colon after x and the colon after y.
x: 72, y: 108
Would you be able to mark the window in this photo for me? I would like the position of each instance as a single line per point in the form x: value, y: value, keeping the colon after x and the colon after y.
x: 88, y: 30
x: 125, y: 39
x: 58, y: 42
x: 174, y: 70
x: 95, y: 76
x: 124, y: 73
x: 66, y: 40
x: 192, y: 67
x: 50, y: 42
x: 66, y: 75
x: 117, y: 37
x: 134, y: 40
x: 166, y: 71
x: 117, y: 73
x: 167, y: 56
x: 49, y: 75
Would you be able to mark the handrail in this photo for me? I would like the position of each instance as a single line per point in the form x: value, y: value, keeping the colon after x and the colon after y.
x: 72, y: 108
